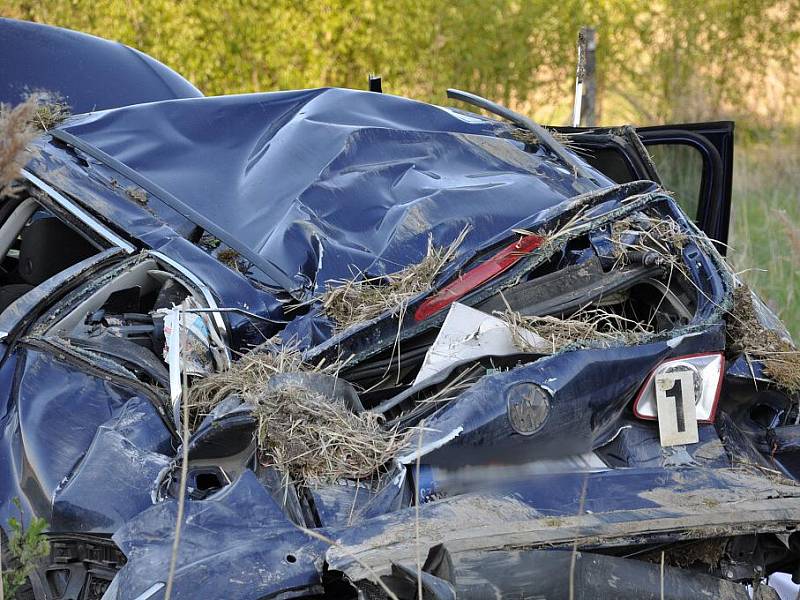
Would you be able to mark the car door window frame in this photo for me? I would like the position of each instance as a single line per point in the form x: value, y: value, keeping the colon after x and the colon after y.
x: 92, y: 223
x: 710, y: 139
x: 709, y: 214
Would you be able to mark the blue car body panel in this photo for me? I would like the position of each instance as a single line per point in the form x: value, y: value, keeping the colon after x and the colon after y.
x: 69, y: 433
x: 323, y: 183
x: 87, y: 72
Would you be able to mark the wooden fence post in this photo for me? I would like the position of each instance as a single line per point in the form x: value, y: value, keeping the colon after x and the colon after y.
x: 588, y: 111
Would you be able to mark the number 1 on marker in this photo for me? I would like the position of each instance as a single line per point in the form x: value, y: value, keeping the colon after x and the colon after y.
x: 677, y: 416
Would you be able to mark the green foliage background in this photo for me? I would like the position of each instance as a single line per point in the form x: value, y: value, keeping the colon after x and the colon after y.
x: 657, y: 61
x: 653, y: 57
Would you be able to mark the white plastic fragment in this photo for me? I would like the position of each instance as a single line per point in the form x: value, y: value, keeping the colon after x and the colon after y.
x: 195, y: 358
x: 172, y: 356
x: 429, y: 447
x: 469, y: 333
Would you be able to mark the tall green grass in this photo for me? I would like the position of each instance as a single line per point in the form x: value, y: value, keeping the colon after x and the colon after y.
x: 765, y: 232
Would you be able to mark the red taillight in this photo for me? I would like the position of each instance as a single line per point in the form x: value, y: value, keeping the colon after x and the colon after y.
x: 476, y: 277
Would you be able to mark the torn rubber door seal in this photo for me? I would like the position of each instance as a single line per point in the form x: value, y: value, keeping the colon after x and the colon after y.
x: 476, y: 277
x: 268, y: 268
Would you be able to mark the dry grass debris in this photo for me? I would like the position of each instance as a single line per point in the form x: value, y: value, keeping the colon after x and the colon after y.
x: 708, y: 552
x: 51, y: 110
x: 19, y: 126
x: 137, y: 194
x: 315, y: 438
x: 302, y: 432
x: 746, y: 334
x: 589, y: 327
x: 528, y: 137
x: 638, y: 235
x: 247, y: 376
x: 230, y: 258
x: 348, y: 302
x: 16, y: 134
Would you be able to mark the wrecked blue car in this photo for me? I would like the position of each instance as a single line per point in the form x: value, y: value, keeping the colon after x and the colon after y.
x: 342, y: 344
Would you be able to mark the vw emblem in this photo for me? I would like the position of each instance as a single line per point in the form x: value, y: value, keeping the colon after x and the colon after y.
x: 528, y: 407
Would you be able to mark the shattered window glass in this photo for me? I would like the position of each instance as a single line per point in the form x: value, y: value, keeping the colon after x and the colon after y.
x: 681, y: 169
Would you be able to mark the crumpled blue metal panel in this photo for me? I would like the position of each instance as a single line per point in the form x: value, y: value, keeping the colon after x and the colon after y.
x: 237, y: 544
x: 341, y: 505
x: 76, y: 448
x: 58, y: 422
x: 585, y: 404
x: 124, y: 461
x: 326, y: 183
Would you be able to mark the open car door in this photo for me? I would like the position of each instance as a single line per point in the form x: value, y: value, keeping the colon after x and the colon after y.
x: 695, y: 161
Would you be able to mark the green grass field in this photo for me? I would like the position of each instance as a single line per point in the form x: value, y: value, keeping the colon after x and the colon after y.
x: 765, y: 232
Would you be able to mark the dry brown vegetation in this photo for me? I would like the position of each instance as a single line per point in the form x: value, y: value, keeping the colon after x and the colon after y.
x: 746, y: 334
x: 230, y: 258
x: 137, y: 194
x: 247, y: 375
x: 19, y: 126
x: 51, y: 110
x: 587, y: 327
x: 643, y: 234
x: 316, y: 438
x: 526, y: 136
x: 348, y: 302
x: 301, y: 431
x: 16, y: 133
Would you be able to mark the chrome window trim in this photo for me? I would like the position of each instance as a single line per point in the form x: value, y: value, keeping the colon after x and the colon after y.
x: 79, y: 213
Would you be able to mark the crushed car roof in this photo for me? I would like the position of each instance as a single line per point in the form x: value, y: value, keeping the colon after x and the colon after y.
x: 315, y: 185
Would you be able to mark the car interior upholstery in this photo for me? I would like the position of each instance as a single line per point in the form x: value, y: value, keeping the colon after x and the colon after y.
x: 35, y: 245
